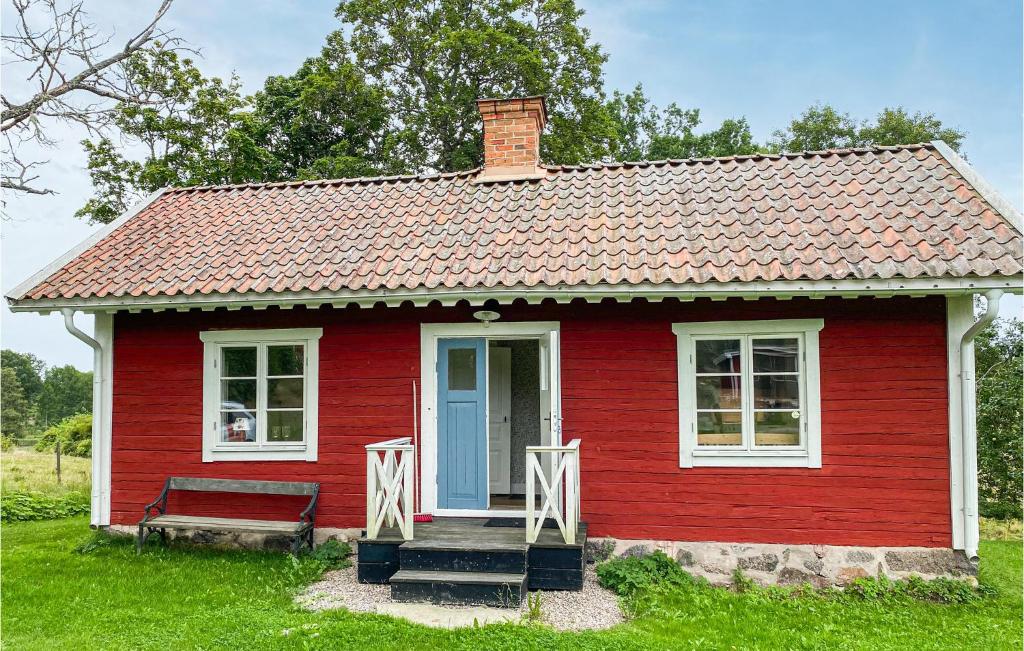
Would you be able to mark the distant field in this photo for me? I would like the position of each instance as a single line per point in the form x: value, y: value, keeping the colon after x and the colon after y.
x: 27, y: 470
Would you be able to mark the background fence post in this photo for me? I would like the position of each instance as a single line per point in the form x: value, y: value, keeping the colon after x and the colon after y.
x: 58, y: 461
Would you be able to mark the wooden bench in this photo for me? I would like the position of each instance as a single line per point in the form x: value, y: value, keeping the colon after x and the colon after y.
x: 157, y: 520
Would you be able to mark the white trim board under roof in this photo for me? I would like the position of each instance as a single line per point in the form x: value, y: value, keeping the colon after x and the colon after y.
x: 816, y: 289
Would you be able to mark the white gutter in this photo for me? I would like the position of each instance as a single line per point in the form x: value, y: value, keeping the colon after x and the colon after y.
x: 969, y: 425
x: 100, y: 506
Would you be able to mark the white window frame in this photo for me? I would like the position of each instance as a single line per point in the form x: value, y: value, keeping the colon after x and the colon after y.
x: 806, y: 455
x: 213, y: 342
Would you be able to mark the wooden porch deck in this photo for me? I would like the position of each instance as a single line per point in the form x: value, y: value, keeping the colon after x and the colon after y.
x: 473, y: 529
x: 459, y: 560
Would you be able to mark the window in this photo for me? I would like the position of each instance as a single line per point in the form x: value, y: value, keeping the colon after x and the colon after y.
x: 749, y: 394
x: 260, y: 394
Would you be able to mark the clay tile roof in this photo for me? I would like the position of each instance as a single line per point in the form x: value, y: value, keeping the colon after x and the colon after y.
x: 884, y: 212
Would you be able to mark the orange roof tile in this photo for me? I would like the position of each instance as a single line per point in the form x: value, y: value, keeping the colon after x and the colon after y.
x: 887, y: 212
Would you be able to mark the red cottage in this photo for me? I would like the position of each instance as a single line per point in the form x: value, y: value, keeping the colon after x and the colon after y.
x: 760, y: 362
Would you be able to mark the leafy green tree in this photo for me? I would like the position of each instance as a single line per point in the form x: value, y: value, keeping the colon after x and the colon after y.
x: 29, y: 370
x: 192, y: 132
x: 66, y: 391
x: 823, y: 127
x: 435, y: 58
x: 999, y: 361
x: 74, y: 434
x: 325, y: 121
x: 15, y: 409
x: 642, y: 132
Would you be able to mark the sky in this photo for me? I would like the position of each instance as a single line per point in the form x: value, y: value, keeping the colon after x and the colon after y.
x: 763, y: 60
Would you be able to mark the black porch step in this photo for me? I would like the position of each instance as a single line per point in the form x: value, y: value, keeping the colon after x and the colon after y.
x: 498, y: 589
x: 451, y: 556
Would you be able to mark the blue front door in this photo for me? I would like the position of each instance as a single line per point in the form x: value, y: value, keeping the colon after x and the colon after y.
x: 462, y: 423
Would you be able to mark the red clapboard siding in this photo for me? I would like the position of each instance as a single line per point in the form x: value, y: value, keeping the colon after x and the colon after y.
x: 885, y: 474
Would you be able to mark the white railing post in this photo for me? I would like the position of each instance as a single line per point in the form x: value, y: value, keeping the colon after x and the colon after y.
x: 389, y: 486
x: 560, y: 493
x: 531, y: 496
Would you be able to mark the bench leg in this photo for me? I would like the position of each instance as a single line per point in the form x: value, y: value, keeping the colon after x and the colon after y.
x: 141, y: 539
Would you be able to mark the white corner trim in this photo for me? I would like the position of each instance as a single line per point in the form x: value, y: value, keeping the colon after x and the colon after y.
x: 103, y: 405
x: 23, y: 287
x: 978, y: 182
x: 213, y: 450
x: 959, y: 319
x: 808, y: 456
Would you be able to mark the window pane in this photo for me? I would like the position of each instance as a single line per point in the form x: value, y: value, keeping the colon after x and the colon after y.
x: 775, y: 355
x: 720, y: 392
x: 238, y: 394
x: 462, y: 369
x: 284, y: 360
x: 719, y: 428
x: 284, y: 426
x: 238, y: 362
x: 718, y: 355
x: 284, y: 393
x: 237, y: 426
x: 777, y: 392
x: 777, y: 428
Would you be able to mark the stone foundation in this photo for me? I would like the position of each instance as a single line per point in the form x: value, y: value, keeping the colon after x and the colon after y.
x: 244, y: 540
x: 769, y: 564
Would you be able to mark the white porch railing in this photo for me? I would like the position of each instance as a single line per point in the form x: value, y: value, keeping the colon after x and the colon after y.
x: 560, y: 493
x: 389, y: 486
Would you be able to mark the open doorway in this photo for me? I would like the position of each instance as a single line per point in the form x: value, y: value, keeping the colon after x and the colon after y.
x: 456, y: 454
x: 514, y: 418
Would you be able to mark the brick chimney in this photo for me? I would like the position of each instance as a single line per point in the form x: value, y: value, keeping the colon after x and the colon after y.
x: 512, y: 129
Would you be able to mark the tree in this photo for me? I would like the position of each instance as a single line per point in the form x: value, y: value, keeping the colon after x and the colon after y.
x: 641, y: 132
x: 823, y: 127
x: 434, y: 58
x: 15, y: 409
x: 73, y: 77
x: 191, y: 128
x: 999, y: 362
x: 66, y: 391
x: 325, y: 121
x: 29, y: 370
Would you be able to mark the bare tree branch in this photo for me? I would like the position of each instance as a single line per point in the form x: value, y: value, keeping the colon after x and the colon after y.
x: 72, y: 76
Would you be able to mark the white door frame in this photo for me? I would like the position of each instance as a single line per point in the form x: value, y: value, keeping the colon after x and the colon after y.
x: 429, y: 334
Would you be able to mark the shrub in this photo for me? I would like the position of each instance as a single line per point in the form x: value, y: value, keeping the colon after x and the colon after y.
x: 21, y: 506
x: 627, y: 575
x: 944, y: 590
x: 333, y: 555
x: 6, y: 443
x: 74, y: 434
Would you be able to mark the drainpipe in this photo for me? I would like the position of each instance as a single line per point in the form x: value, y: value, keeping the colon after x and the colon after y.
x: 97, y: 414
x: 969, y: 424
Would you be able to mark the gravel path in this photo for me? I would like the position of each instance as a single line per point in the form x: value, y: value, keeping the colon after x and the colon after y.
x: 592, y: 608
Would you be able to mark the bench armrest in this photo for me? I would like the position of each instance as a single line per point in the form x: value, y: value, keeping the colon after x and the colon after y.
x: 159, y: 505
x: 309, y: 514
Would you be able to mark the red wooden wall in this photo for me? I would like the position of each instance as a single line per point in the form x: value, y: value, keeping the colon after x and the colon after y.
x: 885, y: 474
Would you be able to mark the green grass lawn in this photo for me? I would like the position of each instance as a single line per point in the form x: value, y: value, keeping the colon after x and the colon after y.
x: 189, y: 598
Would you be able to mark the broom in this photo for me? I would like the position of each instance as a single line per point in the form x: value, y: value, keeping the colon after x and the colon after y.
x: 417, y: 517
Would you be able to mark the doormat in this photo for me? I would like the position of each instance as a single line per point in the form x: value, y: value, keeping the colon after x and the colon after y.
x: 520, y: 523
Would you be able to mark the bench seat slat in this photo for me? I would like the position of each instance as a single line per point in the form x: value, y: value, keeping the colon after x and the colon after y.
x: 226, y: 524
